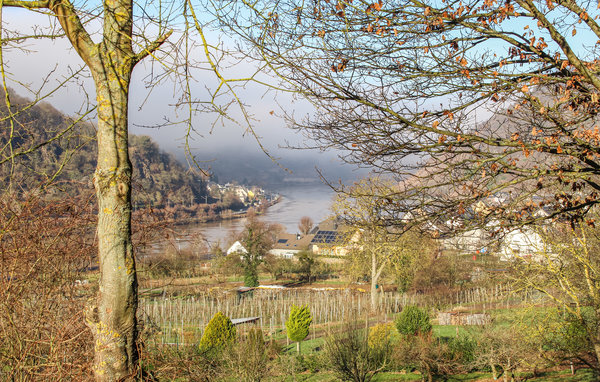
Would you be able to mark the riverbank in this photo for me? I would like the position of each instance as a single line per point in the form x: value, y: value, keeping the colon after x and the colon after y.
x: 286, y: 209
x: 221, y: 216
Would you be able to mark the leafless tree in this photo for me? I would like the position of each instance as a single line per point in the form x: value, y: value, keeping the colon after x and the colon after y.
x: 305, y: 225
x: 112, y: 38
x: 405, y: 87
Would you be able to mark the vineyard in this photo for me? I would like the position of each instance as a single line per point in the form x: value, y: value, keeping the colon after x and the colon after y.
x: 181, y: 320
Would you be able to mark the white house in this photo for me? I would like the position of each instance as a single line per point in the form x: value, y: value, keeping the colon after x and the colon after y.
x: 523, y: 242
x: 237, y: 247
x: 468, y: 241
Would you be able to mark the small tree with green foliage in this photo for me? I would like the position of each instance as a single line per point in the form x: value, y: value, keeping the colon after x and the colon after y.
x: 218, y: 334
x: 257, y: 238
x: 298, y: 324
x: 413, y: 321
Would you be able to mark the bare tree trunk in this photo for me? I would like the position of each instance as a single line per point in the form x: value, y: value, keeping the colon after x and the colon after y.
x: 112, y: 316
x: 374, y: 279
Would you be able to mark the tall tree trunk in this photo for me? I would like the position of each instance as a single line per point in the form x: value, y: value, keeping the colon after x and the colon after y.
x: 112, y: 316
x: 374, y: 279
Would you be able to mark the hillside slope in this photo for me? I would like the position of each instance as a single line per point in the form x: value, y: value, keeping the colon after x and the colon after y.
x: 41, y: 141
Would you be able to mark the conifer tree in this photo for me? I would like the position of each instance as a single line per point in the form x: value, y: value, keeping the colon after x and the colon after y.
x: 219, y: 333
x: 298, y: 323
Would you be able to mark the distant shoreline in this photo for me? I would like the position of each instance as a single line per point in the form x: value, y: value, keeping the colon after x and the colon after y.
x: 224, y: 215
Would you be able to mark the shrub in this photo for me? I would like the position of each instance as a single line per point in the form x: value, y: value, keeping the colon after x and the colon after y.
x: 462, y: 348
x: 181, y: 363
x: 45, y: 250
x: 413, y: 321
x: 313, y: 362
x: 298, y: 323
x: 504, y: 349
x: 219, y: 333
x: 564, y: 337
x: 381, y: 334
x: 431, y: 357
x: 249, y: 359
x: 351, y: 357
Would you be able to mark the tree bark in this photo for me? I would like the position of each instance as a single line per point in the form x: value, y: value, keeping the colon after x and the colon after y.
x: 374, y: 279
x: 376, y: 271
x: 112, y: 316
x: 596, y: 342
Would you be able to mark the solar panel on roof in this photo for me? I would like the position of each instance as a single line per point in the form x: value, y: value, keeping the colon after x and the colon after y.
x: 281, y: 241
x: 327, y: 237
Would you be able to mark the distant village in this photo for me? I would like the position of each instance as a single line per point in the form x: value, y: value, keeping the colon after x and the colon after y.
x: 247, y: 196
x: 332, y: 239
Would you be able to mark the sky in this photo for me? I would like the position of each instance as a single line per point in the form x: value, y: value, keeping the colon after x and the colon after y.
x: 47, y: 62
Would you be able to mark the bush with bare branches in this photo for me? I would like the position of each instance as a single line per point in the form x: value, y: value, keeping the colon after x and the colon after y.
x: 46, y: 248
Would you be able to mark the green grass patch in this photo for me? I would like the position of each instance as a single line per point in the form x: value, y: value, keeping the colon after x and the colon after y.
x: 449, y: 331
x: 310, y: 346
x: 584, y: 375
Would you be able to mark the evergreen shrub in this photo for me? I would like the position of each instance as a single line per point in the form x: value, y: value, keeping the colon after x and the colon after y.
x: 218, y: 334
x: 413, y: 321
x: 298, y: 323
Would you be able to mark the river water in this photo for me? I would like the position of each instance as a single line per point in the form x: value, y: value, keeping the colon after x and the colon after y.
x: 312, y: 200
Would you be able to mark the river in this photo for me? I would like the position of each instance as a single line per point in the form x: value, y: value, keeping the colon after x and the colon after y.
x: 312, y: 200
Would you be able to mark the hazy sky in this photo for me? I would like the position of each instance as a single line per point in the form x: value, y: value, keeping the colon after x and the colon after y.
x: 55, y: 59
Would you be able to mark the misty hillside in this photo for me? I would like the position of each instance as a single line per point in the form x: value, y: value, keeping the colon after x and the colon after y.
x: 250, y: 166
x: 41, y: 140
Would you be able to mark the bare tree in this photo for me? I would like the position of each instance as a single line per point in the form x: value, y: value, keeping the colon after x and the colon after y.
x: 305, y: 225
x: 565, y: 269
x: 379, y: 240
x: 111, y: 38
x: 402, y: 86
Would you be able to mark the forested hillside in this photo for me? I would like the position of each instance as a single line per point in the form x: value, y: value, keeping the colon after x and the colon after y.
x: 43, y: 148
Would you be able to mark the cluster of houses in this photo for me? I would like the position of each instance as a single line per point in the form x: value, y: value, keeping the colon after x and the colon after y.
x: 249, y: 196
x: 506, y: 242
x: 329, y: 239
x: 332, y: 240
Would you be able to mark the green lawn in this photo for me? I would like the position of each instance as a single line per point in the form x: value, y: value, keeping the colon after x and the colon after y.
x: 449, y: 331
x: 306, y: 347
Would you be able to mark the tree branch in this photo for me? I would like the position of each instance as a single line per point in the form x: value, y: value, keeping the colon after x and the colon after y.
x: 71, y: 23
x: 27, y: 4
x: 150, y: 49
